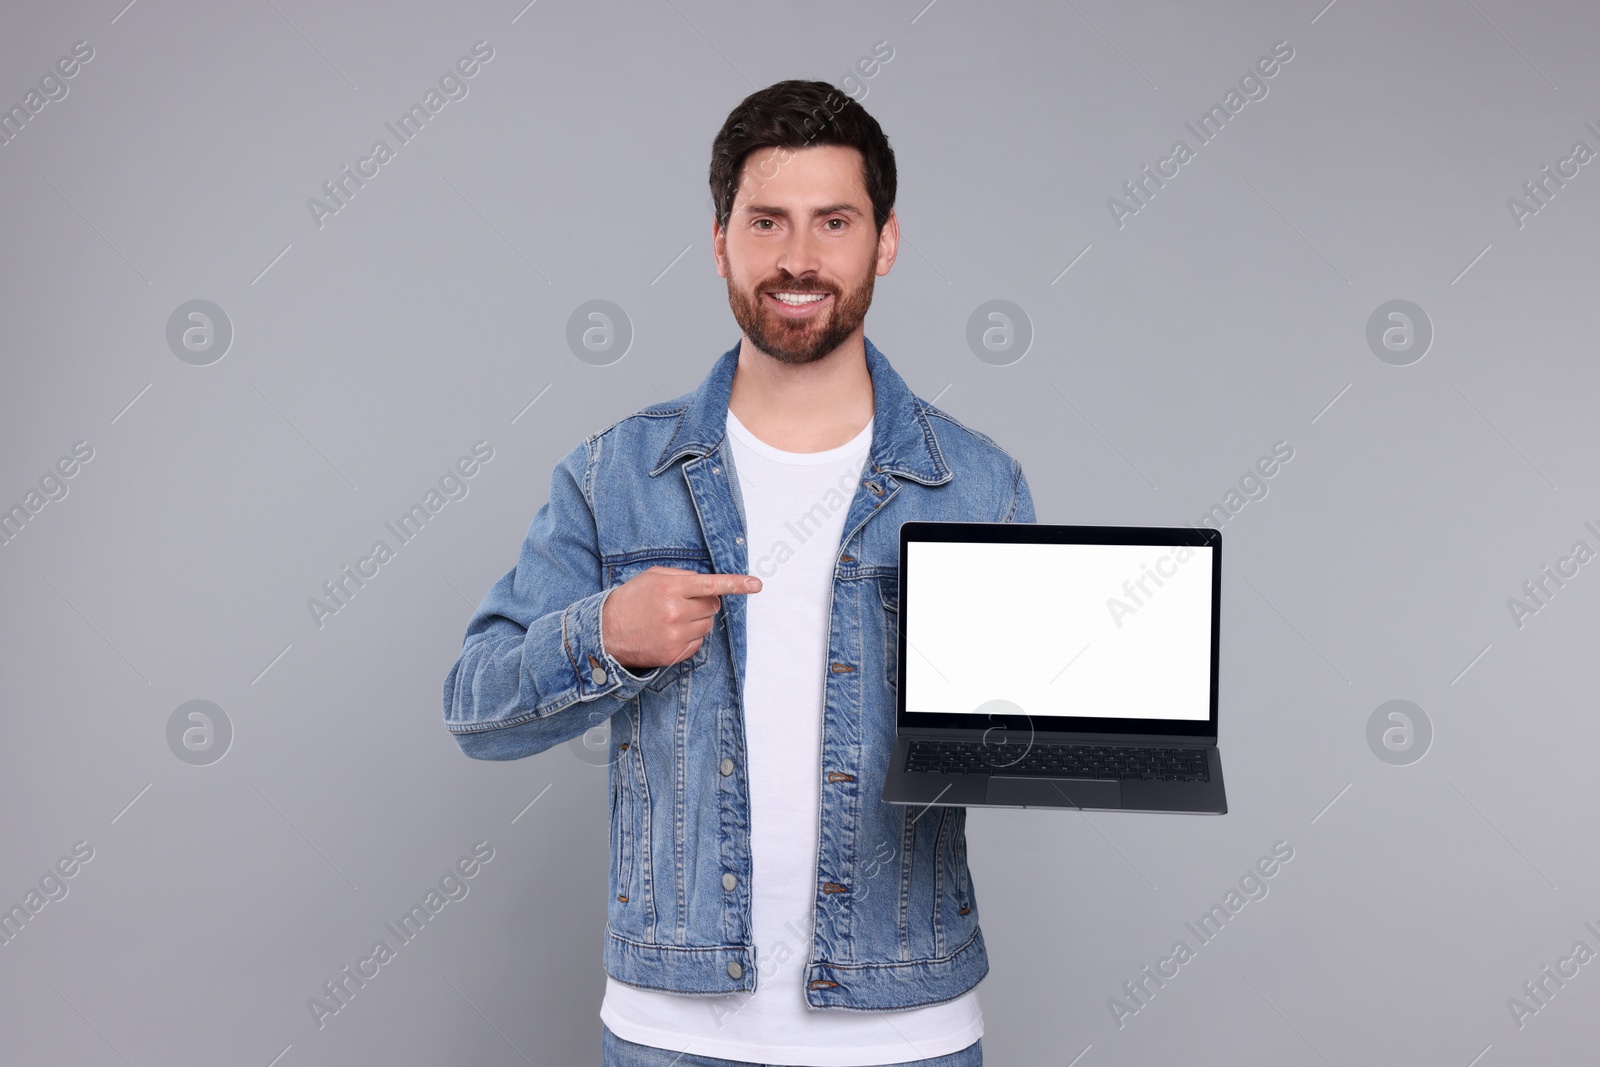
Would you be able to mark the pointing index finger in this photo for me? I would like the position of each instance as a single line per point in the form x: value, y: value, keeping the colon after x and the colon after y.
x: 720, y: 584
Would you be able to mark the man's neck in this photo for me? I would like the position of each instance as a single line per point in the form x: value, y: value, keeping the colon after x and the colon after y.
x: 811, y: 407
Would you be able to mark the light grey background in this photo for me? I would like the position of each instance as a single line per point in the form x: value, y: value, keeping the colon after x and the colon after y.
x: 1228, y: 314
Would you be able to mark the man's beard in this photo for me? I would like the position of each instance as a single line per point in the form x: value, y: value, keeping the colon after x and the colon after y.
x: 798, y: 341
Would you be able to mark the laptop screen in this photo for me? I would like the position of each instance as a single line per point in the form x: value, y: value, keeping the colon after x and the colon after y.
x: 1078, y: 630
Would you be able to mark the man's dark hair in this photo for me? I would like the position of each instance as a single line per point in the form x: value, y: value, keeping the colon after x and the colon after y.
x: 800, y: 114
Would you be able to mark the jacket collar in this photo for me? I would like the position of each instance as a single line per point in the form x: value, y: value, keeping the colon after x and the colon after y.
x: 902, y: 436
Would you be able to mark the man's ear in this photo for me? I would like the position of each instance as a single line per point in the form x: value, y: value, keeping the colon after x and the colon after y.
x: 888, y: 244
x: 719, y: 248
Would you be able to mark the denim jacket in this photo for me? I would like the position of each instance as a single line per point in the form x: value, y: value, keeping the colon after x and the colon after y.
x: 895, y: 917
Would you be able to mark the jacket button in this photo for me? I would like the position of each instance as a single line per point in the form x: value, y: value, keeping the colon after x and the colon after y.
x: 734, y: 970
x: 598, y: 676
x: 717, y: 470
x: 727, y: 765
x: 728, y: 882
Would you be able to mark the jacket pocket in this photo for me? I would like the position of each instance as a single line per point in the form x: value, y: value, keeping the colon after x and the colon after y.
x: 963, y: 872
x: 622, y: 836
x: 611, y: 813
x: 957, y: 910
x: 889, y: 601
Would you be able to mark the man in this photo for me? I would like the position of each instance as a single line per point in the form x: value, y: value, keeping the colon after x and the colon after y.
x: 716, y: 575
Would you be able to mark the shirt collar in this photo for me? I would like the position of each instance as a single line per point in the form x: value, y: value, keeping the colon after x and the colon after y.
x: 903, y: 442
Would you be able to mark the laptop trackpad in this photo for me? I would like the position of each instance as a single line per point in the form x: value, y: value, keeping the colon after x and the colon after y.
x: 1054, y: 792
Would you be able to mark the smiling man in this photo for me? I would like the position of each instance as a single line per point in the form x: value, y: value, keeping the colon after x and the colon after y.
x: 715, y: 578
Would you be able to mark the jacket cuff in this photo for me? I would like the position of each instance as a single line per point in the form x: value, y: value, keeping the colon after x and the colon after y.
x: 598, y: 674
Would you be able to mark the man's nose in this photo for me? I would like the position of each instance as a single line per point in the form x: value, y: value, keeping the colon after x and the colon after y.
x: 801, y: 254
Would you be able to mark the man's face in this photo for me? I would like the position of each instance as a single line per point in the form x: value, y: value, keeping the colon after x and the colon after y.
x: 802, y: 228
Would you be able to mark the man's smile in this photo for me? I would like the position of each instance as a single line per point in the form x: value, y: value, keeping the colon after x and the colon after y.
x: 798, y: 305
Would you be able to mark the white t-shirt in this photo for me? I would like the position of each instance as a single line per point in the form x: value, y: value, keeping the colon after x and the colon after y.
x: 795, y: 505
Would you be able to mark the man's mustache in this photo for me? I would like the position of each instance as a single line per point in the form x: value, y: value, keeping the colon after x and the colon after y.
x: 794, y: 288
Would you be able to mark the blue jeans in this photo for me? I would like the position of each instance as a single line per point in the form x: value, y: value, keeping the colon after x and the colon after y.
x: 619, y: 1052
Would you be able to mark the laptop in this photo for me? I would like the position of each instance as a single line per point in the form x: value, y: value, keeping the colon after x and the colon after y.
x: 1049, y: 666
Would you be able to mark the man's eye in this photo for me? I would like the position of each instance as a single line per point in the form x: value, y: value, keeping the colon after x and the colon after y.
x: 762, y: 222
x: 839, y: 221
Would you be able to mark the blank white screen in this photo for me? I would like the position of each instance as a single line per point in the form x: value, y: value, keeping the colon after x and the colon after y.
x: 1003, y: 622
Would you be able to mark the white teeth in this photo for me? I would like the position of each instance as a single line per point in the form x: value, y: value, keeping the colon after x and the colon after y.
x: 798, y: 299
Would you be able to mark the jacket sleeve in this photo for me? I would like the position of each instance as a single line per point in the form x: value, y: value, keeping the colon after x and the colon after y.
x: 1021, y: 509
x: 533, y: 670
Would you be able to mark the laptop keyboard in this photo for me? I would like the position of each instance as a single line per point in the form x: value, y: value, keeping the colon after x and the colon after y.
x: 1059, y: 760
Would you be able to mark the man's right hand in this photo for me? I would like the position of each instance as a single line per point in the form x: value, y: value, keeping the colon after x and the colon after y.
x: 662, y: 615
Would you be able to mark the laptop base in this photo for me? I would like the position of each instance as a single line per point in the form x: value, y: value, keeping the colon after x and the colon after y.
x: 1029, y: 791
